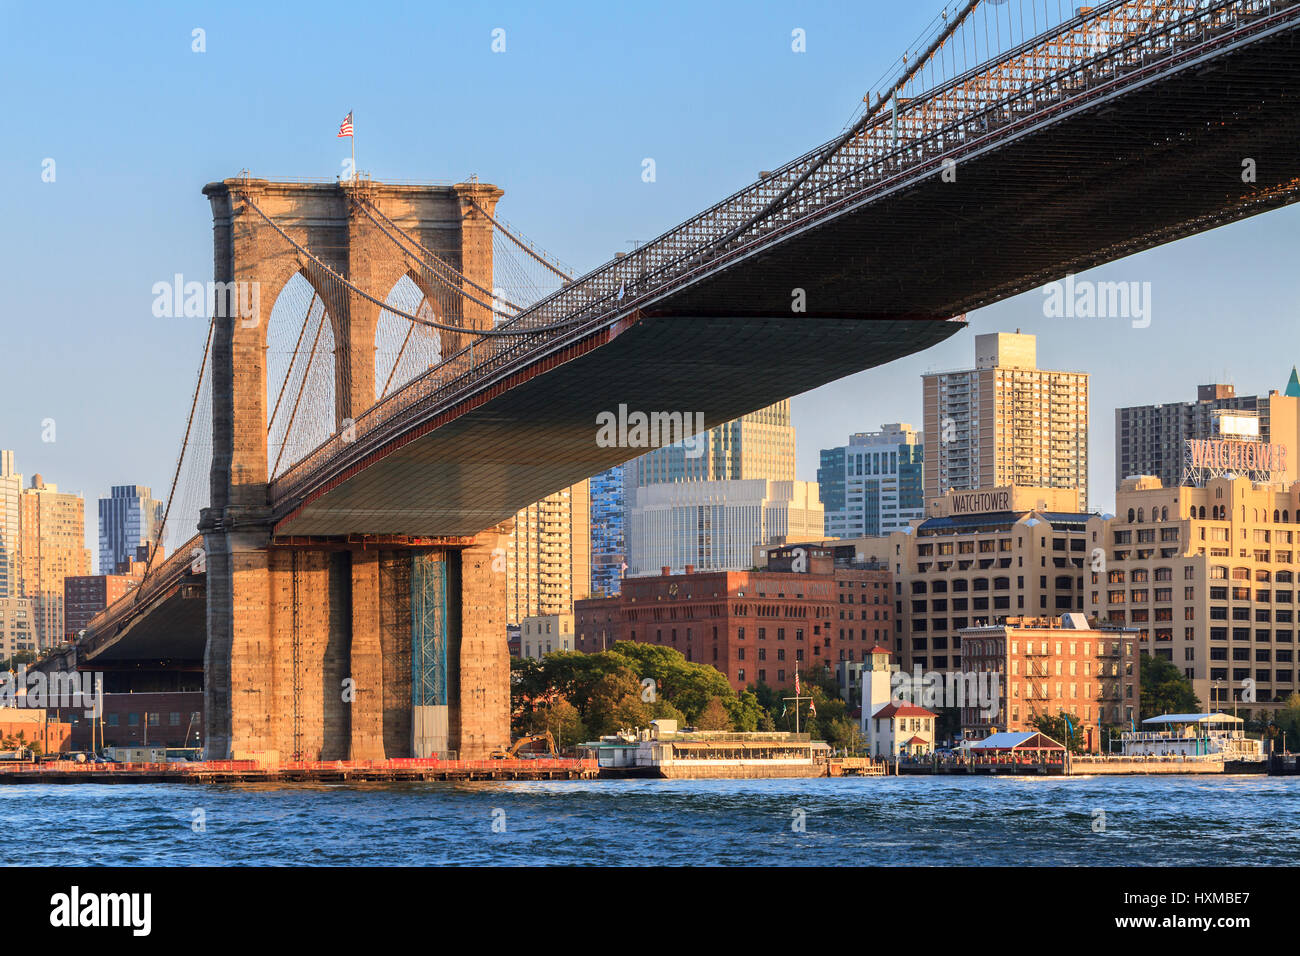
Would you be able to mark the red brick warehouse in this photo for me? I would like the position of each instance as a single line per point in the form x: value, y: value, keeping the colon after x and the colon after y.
x: 753, y: 626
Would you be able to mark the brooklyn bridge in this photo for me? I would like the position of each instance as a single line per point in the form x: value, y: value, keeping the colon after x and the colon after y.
x: 419, y: 371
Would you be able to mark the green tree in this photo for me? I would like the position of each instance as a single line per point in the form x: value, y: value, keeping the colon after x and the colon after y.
x: 1055, y: 728
x: 689, y: 686
x: 562, y: 720
x: 20, y: 657
x: 615, y: 704
x: 843, y: 732
x: 766, y: 696
x: 629, y: 685
x: 1287, y: 720
x: 745, y: 711
x: 714, y: 716
x: 664, y: 710
x: 1165, y: 689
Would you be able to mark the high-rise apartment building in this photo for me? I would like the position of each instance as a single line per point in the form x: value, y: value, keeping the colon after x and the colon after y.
x: 757, y: 445
x: 714, y: 525
x: 706, y: 503
x: 608, y: 544
x: 548, y: 555
x: 11, y: 488
x: 17, y: 627
x: 52, y: 548
x: 128, y: 518
x: 875, y: 484
x: 1152, y: 439
x: 1006, y: 422
x: 1207, y: 576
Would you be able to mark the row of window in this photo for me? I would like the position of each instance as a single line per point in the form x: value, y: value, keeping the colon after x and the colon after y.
x: 155, y: 719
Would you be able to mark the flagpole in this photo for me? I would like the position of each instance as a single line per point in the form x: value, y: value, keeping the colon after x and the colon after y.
x: 353, y: 137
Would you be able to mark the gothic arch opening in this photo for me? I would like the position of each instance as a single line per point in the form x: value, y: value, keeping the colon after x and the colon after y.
x: 301, y: 377
x: 405, y: 349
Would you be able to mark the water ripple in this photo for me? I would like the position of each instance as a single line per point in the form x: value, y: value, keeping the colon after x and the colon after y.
x: 883, y: 821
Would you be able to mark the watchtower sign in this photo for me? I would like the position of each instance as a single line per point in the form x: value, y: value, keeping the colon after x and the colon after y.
x: 1215, y: 457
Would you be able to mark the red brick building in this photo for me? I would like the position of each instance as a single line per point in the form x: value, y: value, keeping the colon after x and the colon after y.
x: 754, y: 626
x: 85, y: 595
x: 1050, y: 666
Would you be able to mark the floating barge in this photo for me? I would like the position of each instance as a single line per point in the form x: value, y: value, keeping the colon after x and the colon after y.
x: 305, y: 771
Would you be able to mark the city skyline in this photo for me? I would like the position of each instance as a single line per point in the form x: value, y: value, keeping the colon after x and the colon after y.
x: 775, y: 110
x: 745, y: 433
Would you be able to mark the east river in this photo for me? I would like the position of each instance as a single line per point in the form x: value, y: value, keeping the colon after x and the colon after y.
x: 1225, y: 821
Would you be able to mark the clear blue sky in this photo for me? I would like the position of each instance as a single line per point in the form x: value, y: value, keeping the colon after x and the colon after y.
x: 137, y: 123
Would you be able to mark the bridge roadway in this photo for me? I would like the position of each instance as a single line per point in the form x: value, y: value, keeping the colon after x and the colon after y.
x: 1097, y: 167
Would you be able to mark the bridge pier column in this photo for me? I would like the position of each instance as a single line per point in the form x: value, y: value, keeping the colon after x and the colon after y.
x: 366, y: 740
x: 238, y: 682
x: 419, y: 632
x: 480, y: 710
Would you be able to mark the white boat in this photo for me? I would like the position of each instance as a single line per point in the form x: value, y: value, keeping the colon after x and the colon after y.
x: 1192, y: 735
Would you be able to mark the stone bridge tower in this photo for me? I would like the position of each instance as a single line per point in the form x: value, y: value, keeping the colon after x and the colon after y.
x: 348, y: 647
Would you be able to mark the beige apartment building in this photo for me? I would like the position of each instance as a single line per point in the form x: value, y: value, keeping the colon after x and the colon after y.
x: 976, y: 558
x: 11, y: 491
x: 548, y: 555
x: 52, y: 548
x: 1048, y: 666
x: 545, y: 634
x: 17, y: 627
x: 1207, y: 578
x: 1006, y: 422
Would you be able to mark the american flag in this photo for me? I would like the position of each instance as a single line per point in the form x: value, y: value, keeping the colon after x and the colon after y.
x: 346, y: 128
x: 796, y: 683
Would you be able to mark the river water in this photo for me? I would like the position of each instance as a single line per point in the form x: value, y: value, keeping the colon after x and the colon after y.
x: 892, y: 821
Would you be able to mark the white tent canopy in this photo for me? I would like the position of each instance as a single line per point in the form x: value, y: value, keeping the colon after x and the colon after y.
x: 1194, y: 719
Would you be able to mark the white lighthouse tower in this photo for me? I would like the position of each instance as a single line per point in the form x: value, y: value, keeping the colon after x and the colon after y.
x: 877, y: 687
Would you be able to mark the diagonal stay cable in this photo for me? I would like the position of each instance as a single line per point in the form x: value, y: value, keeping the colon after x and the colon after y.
x: 288, y: 373
x: 316, y: 261
x: 522, y: 244
x: 306, y: 374
x: 435, y: 258
x: 185, y: 441
x: 853, y: 131
x: 410, y: 327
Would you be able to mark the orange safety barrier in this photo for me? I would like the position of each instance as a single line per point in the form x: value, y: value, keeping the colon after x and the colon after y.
x: 209, y: 766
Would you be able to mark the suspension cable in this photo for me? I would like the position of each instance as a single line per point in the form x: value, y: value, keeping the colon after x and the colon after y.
x: 288, y: 429
x: 398, y: 361
x: 365, y: 207
x: 526, y: 246
x: 315, y: 260
x: 288, y: 373
x: 855, y: 129
x: 185, y: 441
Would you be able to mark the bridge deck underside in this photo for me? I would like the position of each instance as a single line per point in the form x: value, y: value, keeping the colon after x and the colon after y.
x: 541, y: 435
x: 173, y: 628
x: 1149, y: 164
